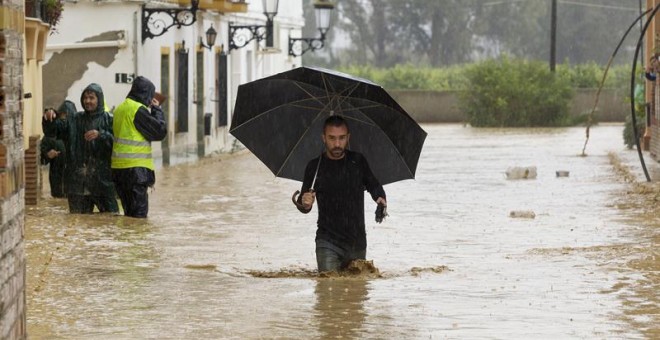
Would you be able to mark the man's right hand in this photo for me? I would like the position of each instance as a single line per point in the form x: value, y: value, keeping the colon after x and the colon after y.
x: 52, y: 153
x: 49, y: 115
x: 308, y: 199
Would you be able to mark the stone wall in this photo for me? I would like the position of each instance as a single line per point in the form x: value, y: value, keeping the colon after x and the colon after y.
x: 654, y: 143
x: 442, y: 106
x: 12, y: 187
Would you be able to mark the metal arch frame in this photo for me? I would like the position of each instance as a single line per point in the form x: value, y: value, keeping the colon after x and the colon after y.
x: 258, y: 32
x: 306, y: 44
x: 180, y: 17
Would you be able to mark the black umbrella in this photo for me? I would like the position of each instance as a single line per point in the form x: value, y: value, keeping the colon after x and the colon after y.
x: 280, y: 119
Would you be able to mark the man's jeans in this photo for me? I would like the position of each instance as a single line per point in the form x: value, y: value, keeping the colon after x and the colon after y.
x: 332, y: 258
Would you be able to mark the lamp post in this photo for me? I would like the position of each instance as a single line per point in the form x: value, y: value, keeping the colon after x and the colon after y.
x: 241, y: 35
x: 157, y: 21
x: 211, y: 34
x: 553, y: 35
x: 299, y: 46
x: 270, y: 10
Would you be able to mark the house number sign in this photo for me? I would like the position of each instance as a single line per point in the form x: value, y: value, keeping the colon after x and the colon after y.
x: 124, y: 78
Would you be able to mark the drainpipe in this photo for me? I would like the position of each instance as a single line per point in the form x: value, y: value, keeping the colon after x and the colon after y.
x: 135, y: 43
x: 121, y: 43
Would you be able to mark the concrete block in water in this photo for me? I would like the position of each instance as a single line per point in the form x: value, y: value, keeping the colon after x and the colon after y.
x: 522, y: 214
x: 518, y: 172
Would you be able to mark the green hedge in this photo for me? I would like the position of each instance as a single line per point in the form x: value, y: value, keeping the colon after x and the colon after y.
x: 504, y: 91
x: 514, y: 92
x: 410, y: 77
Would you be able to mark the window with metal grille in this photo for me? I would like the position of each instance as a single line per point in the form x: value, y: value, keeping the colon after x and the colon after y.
x: 221, y: 88
x: 181, y: 114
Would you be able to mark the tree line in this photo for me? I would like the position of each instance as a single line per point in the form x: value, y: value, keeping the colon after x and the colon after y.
x: 440, y: 33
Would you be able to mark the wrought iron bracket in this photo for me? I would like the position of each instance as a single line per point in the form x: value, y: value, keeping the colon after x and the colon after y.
x: 241, y: 35
x: 299, y: 46
x: 157, y: 21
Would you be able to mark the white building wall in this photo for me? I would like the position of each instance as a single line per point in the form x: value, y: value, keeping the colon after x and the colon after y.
x: 84, y: 19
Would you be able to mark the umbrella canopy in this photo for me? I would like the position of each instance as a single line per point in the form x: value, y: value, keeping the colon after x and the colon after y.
x: 280, y: 119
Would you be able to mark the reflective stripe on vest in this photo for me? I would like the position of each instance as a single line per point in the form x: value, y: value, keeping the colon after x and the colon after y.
x: 130, y: 149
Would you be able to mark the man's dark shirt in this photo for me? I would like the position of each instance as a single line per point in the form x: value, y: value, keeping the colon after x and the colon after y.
x: 339, y: 188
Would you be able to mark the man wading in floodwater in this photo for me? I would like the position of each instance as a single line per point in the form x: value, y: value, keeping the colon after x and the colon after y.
x: 338, y: 179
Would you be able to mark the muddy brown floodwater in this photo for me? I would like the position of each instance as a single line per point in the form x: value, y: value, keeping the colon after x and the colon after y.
x: 224, y: 253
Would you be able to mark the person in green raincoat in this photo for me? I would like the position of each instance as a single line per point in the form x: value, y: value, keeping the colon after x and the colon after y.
x: 53, y: 151
x: 88, y: 138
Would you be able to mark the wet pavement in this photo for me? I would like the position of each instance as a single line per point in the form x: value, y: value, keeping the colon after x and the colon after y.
x: 225, y: 254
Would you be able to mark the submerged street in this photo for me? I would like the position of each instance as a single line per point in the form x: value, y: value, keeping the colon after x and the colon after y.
x: 225, y: 254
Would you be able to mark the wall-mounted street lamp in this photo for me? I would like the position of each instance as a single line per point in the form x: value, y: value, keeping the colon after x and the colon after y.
x: 156, y: 21
x: 241, y: 35
x: 182, y: 49
x: 298, y: 46
x: 211, y: 34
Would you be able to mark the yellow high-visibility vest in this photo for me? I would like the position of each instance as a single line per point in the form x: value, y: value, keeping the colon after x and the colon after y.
x: 130, y: 149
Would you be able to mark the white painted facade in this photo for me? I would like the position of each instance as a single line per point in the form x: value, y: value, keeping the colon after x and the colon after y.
x: 84, y: 19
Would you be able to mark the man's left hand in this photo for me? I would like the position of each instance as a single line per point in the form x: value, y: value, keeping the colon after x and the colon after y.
x: 381, y: 210
x: 91, y: 135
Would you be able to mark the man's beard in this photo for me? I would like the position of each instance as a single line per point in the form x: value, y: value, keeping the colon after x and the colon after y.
x: 337, y: 152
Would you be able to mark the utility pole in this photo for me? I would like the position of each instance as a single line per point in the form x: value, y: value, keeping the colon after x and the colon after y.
x: 553, y: 36
x: 641, y: 29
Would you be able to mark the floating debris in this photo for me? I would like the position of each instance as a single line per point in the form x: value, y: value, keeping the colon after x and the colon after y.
x: 416, y: 271
x: 522, y: 214
x: 201, y: 266
x: 516, y: 172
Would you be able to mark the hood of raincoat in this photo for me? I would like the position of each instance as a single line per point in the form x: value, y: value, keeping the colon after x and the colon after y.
x: 67, y: 107
x: 142, y: 90
x: 96, y: 88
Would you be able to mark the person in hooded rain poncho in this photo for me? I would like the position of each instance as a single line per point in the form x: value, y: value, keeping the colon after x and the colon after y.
x: 53, y: 151
x: 138, y: 121
x: 88, y: 138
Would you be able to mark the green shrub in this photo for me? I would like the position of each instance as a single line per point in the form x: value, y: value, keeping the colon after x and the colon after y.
x: 504, y: 92
x: 452, y: 78
x: 51, y: 12
x: 628, y: 135
x: 406, y: 78
x: 640, y: 116
x: 366, y: 72
x: 410, y: 77
x: 582, y: 76
x: 617, y: 77
x: 515, y: 93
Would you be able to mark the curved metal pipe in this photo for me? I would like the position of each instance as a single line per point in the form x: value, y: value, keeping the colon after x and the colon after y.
x: 602, y: 81
x: 632, y: 91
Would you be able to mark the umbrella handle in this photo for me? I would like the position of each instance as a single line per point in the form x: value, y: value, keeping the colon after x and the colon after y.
x: 294, y: 199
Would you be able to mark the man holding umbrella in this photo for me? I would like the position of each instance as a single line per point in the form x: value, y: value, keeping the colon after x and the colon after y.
x: 278, y: 127
x: 338, y: 179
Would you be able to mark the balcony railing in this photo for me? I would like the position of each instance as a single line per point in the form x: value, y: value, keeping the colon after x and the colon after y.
x: 48, y: 11
x: 33, y: 9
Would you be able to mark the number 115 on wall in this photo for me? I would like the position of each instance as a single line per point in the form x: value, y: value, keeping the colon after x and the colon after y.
x: 124, y: 78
